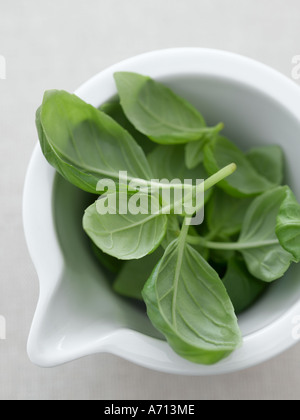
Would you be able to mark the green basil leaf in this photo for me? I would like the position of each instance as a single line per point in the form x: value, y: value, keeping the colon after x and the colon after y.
x: 188, y: 303
x: 246, y: 181
x: 128, y: 236
x: 115, y: 111
x: 74, y: 175
x: 194, y: 151
x: 242, y: 288
x: 167, y: 162
x: 288, y: 224
x: 135, y: 273
x: 204, y: 252
x: 85, y: 145
x: 173, y: 231
x: 157, y: 112
x: 225, y: 214
x: 264, y: 256
x: 268, y: 162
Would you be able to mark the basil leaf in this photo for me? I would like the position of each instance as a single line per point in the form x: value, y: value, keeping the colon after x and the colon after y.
x: 134, y: 274
x: 173, y: 231
x: 288, y: 224
x: 194, y: 151
x: 167, y: 162
x: 268, y: 162
x: 188, y: 303
x: 115, y: 111
x: 246, y: 181
x: 128, y: 236
x: 74, y: 175
x: 157, y: 111
x: 204, y: 252
x: 265, y: 257
x: 85, y: 145
x: 242, y: 288
x: 225, y: 214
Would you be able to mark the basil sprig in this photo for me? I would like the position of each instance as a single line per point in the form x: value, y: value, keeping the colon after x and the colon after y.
x: 194, y: 280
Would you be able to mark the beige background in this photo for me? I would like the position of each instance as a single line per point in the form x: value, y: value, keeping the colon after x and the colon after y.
x: 60, y: 44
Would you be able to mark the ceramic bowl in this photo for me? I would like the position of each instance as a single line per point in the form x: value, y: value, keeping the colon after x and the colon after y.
x: 78, y: 314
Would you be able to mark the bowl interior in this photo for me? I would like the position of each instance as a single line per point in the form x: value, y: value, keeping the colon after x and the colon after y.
x: 84, y: 296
